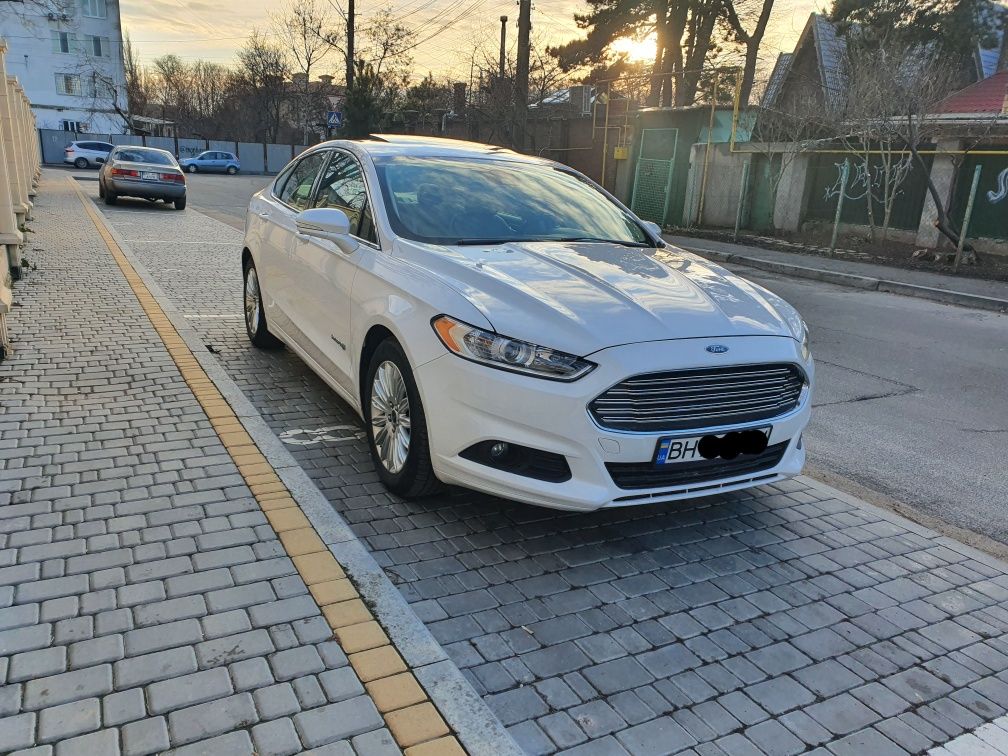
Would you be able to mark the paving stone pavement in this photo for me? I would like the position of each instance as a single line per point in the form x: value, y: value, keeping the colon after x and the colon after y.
x: 147, y: 605
x: 785, y: 619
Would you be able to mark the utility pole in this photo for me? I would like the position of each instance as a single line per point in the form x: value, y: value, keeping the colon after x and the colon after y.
x: 350, y: 43
x: 522, y: 71
x: 503, y: 20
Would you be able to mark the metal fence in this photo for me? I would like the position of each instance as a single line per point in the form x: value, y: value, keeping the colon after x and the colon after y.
x: 255, y: 157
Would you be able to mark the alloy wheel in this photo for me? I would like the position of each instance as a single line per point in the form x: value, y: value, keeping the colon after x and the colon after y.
x: 390, y: 416
x: 253, y: 298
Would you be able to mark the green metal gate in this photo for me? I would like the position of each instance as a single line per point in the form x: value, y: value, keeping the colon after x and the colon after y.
x: 653, y: 174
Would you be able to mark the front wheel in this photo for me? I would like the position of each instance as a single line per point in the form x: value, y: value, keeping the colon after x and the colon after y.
x: 255, y: 318
x: 396, y: 425
x: 191, y: 168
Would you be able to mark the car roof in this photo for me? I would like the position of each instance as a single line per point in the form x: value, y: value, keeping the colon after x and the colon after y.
x: 382, y: 145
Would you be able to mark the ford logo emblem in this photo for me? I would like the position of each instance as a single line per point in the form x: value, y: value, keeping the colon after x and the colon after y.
x: 717, y: 348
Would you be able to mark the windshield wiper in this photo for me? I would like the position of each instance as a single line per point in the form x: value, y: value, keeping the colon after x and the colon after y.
x: 465, y: 242
x: 600, y: 241
x: 469, y: 242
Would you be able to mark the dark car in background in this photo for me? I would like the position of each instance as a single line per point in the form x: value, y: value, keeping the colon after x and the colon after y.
x: 142, y: 172
x: 212, y: 161
x: 86, y: 154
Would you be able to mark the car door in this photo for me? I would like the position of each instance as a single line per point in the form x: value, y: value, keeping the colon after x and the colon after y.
x: 275, y: 213
x: 324, y: 273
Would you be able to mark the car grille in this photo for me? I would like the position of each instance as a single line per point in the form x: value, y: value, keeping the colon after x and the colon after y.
x: 702, y: 398
x: 650, y: 475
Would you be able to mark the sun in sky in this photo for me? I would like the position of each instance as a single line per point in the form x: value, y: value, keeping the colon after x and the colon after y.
x: 636, y: 49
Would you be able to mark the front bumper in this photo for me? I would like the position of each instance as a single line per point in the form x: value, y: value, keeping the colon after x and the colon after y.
x: 146, y: 189
x: 466, y: 403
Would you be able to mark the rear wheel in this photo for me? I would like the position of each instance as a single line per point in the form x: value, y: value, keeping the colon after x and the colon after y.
x: 101, y: 189
x: 180, y: 203
x: 396, y: 425
x: 81, y: 163
x: 110, y: 197
x: 255, y: 317
x: 232, y: 170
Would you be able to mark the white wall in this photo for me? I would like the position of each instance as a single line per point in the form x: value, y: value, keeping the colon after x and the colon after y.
x: 27, y: 29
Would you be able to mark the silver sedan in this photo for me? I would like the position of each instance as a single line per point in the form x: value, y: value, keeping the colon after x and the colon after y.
x: 142, y: 172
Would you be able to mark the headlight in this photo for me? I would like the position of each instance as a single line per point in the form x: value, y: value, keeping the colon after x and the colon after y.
x: 805, y: 351
x: 508, y: 354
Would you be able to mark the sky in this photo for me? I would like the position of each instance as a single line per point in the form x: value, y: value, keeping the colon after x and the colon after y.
x: 447, y: 29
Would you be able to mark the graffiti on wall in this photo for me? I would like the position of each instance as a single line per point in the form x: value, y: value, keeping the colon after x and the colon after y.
x: 864, y: 177
x: 1002, y: 188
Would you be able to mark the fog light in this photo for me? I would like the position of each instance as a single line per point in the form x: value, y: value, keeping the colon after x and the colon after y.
x: 499, y: 450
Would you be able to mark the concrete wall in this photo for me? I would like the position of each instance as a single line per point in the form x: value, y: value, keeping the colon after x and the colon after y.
x: 724, y: 179
x: 251, y: 156
x: 187, y: 148
x: 277, y: 156
x: 223, y: 146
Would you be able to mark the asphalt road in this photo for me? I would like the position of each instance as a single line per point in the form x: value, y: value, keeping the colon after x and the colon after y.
x: 911, y: 403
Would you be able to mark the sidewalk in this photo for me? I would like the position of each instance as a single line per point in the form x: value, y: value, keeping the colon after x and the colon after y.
x: 968, y: 292
x: 162, y: 588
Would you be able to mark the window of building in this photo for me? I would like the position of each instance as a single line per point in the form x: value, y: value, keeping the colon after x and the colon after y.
x: 63, y: 42
x: 98, y: 46
x: 75, y: 126
x: 93, y: 8
x: 68, y: 84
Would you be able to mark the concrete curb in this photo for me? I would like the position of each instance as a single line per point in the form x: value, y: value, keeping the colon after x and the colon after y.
x: 480, y: 731
x: 945, y: 296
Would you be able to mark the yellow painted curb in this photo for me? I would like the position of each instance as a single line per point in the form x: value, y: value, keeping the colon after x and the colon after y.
x: 412, y: 719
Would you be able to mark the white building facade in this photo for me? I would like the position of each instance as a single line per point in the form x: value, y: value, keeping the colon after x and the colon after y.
x: 68, y: 56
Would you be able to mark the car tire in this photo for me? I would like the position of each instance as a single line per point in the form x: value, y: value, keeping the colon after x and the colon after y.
x: 254, y: 313
x: 191, y: 168
x: 410, y: 475
x: 101, y: 189
x: 81, y: 163
x: 232, y: 170
x: 180, y: 203
x: 110, y: 197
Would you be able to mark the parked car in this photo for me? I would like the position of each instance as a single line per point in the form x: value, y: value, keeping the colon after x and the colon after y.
x: 212, y: 161
x: 501, y: 322
x: 87, y: 154
x: 142, y: 172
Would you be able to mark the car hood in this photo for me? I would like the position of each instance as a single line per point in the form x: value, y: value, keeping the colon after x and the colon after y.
x: 582, y: 297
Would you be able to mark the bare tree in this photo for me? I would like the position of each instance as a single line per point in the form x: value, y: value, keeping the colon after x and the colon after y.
x: 309, y: 32
x: 262, y: 71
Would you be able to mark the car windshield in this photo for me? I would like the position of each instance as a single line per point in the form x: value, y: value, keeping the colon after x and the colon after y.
x: 450, y: 200
x: 156, y: 157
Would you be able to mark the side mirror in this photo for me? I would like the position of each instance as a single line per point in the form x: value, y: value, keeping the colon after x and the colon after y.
x: 652, y: 228
x: 328, y: 223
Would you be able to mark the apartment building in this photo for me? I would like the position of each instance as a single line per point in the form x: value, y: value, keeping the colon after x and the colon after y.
x: 68, y: 56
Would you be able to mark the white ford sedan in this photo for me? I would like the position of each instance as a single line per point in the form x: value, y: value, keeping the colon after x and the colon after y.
x: 502, y: 323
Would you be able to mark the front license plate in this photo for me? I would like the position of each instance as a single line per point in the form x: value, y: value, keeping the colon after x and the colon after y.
x: 675, y: 449
x: 149, y: 176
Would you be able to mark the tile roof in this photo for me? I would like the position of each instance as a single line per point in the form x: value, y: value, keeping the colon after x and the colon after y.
x: 989, y: 96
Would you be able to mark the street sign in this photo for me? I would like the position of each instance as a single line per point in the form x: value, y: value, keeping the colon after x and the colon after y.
x: 334, y: 119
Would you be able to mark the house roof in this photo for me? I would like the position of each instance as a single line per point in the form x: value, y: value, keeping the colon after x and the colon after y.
x: 776, y: 81
x: 987, y: 58
x: 987, y: 97
x: 832, y: 50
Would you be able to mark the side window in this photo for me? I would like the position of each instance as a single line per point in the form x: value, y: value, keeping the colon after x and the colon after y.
x: 342, y: 186
x: 297, y: 188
